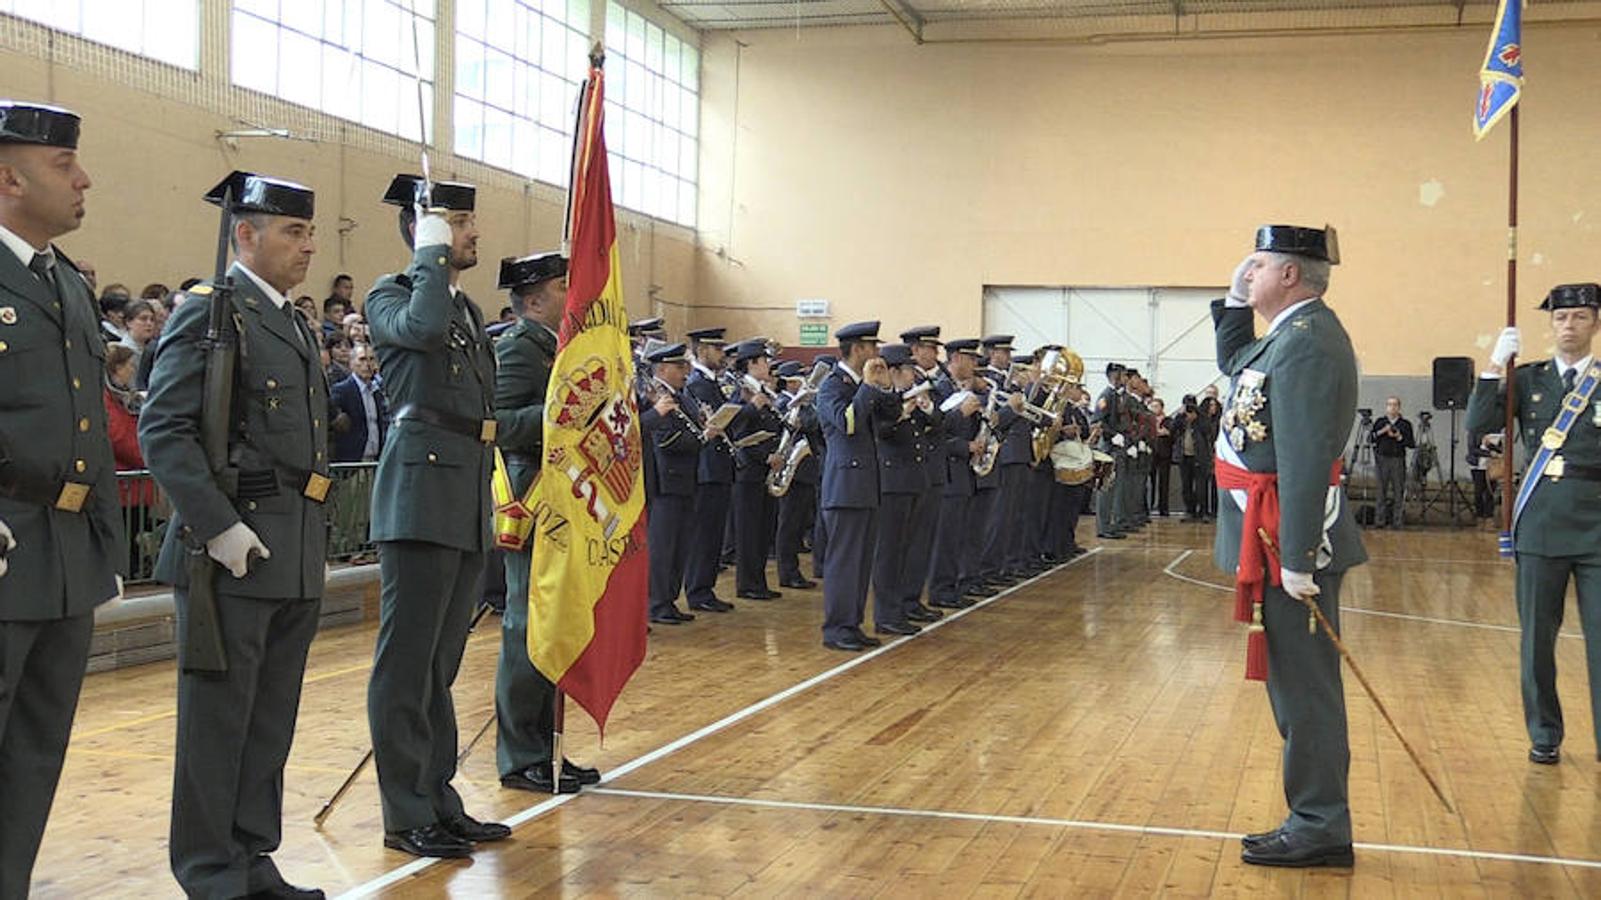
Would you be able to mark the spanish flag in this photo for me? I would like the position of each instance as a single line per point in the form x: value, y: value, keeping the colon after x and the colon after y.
x: 589, y: 577
x: 1501, y: 76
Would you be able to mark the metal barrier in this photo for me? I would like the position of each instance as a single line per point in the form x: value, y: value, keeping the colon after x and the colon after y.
x: 146, y: 513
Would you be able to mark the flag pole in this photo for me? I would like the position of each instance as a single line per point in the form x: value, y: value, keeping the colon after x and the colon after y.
x: 1507, y: 492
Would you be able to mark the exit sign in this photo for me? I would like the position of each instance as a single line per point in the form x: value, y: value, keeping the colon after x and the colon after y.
x: 814, y: 334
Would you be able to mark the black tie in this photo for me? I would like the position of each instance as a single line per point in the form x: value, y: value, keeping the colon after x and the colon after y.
x: 41, y: 267
x: 1568, y: 378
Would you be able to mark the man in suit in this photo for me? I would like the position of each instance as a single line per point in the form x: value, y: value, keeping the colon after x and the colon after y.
x: 924, y: 344
x: 902, y: 480
x: 672, y: 430
x: 269, y: 535
x: 62, y: 548
x: 363, y: 410
x: 755, y: 510
x: 525, y: 700
x: 851, y: 403
x: 714, y: 478
x: 1292, y: 399
x: 1556, y: 521
x: 797, y: 509
x: 1110, y: 414
x: 430, y: 515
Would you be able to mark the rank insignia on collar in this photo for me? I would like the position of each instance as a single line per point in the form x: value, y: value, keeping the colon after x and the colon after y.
x: 8, y: 315
x: 1299, y: 323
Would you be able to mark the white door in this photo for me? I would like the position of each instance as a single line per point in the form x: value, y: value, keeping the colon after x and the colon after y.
x: 1166, y: 333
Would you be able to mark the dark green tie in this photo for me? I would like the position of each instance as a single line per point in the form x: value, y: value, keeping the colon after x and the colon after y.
x: 41, y: 266
x: 1568, y: 378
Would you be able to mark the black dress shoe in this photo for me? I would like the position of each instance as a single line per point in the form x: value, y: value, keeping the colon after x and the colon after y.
x: 1289, y: 851
x: 713, y: 605
x: 800, y: 584
x: 849, y: 644
x: 585, y: 775
x: 921, y: 613
x: 430, y: 840
x: 1110, y: 536
x: 470, y: 829
x: 672, y: 617
x: 945, y: 603
x: 1260, y: 837
x: 897, y: 628
x: 758, y: 595
x: 1545, y: 756
x: 286, y: 891
x: 537, y: 779
x: 868, y: 641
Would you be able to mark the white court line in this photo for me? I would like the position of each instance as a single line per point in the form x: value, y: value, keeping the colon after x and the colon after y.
x: 394, y: 876
x: 1159, y: 830
x: 1357, y: 611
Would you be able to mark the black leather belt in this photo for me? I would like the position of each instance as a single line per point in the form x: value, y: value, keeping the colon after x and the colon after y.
x: 67, y: 496
x: 255, y: 484
x: 522, y: 459
x: 481, y: 430
x: 1559, y: 468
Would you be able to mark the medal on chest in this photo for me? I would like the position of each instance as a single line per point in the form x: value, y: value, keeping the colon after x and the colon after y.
x: 1245, y: 405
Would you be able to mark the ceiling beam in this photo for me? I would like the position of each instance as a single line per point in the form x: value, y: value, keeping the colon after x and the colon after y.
x: 907, y: 15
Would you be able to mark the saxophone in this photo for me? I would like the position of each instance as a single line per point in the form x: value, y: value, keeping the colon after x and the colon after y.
x: 794, y: 447
x: 984, y: 460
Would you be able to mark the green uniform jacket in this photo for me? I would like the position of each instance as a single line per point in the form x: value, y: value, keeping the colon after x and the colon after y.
x: 524, y: 356
x: 280, y: 425
x: 1291, y: 402
x: 53, y: 427
x: 1109, y: 414
x: 1563, y: 517
x: 432, y: 483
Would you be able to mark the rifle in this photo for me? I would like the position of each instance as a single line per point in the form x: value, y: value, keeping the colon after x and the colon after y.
x: 202, y: 638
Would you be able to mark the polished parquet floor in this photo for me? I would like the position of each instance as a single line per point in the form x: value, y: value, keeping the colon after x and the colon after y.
x: 1086, y: 734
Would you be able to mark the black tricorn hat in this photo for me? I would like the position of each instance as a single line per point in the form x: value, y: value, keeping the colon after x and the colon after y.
x: 1313, y: 243
x: 456, y: 196
x: 516, y: 272
x: 247, y: 192
x: 36, y: 123
x: 1570, y: 296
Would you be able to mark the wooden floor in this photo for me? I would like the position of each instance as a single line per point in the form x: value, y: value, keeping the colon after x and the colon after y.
x: 1087, y: 734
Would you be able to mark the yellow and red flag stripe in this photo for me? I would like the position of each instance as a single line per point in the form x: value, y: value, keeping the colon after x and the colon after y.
x: 589, y: 577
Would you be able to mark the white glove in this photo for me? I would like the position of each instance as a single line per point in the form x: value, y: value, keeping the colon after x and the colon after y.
x: 1144, y: 447
x: 7, y: 544
x: 1299, y: 585
x: 1507, y: 346
x: 1118, y: 440
x: 232, y: 549
x: 432, y: 230
x: 121, y: 593
x: 1133, y: 453
x: 1239, y: 289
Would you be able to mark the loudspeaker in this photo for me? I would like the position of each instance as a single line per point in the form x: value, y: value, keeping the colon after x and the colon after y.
x: 1453, y: 381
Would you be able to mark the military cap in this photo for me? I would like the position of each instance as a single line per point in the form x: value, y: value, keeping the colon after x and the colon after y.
x: 997, y: 342
x: 1113, y: 368
x: 36, y: 123
x: 1313, y: 243
x: 1570, y: 296
x: 1132, y: 372
x: 922, y: 334
x: 858, y: 331
x: 1025, y: 359
x: 644, y: 327
x: 895, y: 354
x: 829, y: 358
x: 791, y: 368
x: 516, y: 272
x: 962, y: 345
x: 712, y: 336
x: 247, y: 192
x: 672, y: 353
x: 456, y: 196
x: 751, y: 349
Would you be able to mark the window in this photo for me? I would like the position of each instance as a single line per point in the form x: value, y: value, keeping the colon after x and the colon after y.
x: 164, y: 30
x: 355, y: 59
x: 652, y: 116
x: 519, y: 67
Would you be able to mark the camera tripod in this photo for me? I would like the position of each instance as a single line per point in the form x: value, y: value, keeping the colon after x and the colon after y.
x: 1362, y: 453
x: 1447, y: 487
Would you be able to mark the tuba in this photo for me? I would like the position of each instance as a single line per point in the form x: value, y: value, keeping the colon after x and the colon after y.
x: 1060, y: 372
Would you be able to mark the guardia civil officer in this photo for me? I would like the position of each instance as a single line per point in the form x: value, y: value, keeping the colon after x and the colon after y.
x: 61, y: 540
x: 1556, y: 520
x: 850, y: 403
x: 1111, y: 416
x: 430, y: 515
x: 235, y: 727
x: 525, y: 700
x: 1291, y: 404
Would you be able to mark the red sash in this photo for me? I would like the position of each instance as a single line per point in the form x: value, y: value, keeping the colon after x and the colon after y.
x: 1259, y: 551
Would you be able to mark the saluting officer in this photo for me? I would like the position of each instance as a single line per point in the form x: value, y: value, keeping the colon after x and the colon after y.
x: 850, y: 403
x: 924, y: 343
x: 525, y: 700
x: 430, y: 515
x: 61, y: 540
x: 714, y: 480
x: 1556, y: 521
x: 235, y: 728
x: 797, y: 509
x: 1292, y: 402
x: 1110, y: 415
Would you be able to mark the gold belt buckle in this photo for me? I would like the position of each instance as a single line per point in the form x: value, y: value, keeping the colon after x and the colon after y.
x: 72, y: 496
x: 486, y: 431
x: 1553, y: 438
x: 317, y: 486
x: 1555, y: 467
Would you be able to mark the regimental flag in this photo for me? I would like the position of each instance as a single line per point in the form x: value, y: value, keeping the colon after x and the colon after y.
x: 1501, y: 76
x: 588, y: 583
